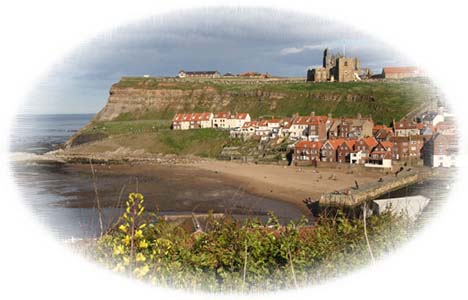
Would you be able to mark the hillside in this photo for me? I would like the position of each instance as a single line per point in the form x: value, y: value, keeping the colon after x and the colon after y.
x: 141, y: 108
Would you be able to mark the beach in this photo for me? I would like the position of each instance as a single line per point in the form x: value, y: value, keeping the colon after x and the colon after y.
x: 291, y: 183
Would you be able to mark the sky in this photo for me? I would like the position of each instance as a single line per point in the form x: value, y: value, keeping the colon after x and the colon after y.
x: 225, y: 39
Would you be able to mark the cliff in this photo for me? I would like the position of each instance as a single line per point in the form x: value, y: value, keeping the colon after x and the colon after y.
x: 145, y: 98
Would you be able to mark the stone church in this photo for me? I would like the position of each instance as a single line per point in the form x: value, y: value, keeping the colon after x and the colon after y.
x: 335, y: 68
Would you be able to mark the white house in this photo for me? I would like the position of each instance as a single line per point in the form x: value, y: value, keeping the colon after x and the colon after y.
x: 237, y: 120
x: 220, y: 120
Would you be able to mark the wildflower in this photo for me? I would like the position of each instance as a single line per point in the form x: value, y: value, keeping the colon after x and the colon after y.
x: 142, y: 226
x: 118, y: 249
x: 143, y: 244
x: 123, y: 228
x: 138, y: 234
x: 126, y: 240
x: 140, y: 257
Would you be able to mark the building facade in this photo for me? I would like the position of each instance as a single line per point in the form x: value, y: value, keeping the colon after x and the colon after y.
x: 335, y: 68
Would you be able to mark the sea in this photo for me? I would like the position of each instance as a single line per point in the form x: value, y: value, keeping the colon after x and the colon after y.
x: 62, y: 197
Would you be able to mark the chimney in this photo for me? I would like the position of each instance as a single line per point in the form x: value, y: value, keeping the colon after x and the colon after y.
x: 330, y: 116
x: 312, y: 114
x: 359, y: 116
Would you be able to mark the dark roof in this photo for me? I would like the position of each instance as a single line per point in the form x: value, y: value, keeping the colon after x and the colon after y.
x: 200, y: 72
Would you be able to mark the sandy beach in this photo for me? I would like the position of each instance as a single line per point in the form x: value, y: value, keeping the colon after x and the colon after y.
x: 290, y: 183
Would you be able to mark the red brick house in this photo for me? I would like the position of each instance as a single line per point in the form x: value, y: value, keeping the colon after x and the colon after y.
x: 329, y: 150
x: 365, y: 146
x: 307, y: 151
x: 407, y: 147
x: 344, y: 151
x: 381, y: 155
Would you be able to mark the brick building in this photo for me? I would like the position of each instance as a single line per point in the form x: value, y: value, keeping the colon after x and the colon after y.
x: 307, y: 151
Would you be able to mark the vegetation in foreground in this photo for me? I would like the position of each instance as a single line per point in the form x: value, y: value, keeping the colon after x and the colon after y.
x: 232, y: 257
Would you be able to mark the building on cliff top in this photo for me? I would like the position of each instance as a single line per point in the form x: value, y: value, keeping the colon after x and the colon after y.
x: 401, y: 72
x: 335, y: 68
x: 198, y: 74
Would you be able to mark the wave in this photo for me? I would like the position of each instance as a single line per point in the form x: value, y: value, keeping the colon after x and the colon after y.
x: 32, y: 157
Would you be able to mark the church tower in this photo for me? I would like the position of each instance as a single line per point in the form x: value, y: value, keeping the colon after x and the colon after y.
x: 326, y: 58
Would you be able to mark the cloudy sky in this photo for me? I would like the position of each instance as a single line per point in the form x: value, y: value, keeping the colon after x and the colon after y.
x: 227, y: 40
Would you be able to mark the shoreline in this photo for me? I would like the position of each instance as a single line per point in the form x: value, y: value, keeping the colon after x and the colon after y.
x: 288, y: 184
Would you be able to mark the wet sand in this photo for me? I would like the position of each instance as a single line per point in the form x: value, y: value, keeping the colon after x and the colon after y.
x: 168, y: 189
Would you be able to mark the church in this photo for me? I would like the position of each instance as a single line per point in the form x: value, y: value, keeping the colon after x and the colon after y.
x: 335, y: 68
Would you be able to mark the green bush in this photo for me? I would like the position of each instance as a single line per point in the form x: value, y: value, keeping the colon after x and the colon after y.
x: 230, y: 256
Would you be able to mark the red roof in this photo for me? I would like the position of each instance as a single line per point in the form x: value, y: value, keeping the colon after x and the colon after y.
x: 387, y: 144
x: 250, y: 124
x: 370, y: 141
x: 335, y: 143
x: 399, y: 70
x: 241, y: 116
x: 310, y: 120
x: 192, y: 117
x: 405, y: 124
x: 307, y: 144
x: 222, y: 115
x: 350, y: 143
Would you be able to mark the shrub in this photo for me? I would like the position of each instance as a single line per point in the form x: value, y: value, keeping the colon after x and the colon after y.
x: 250, y: 256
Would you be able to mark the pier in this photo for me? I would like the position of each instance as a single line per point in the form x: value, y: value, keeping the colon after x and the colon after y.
x: 356, y: 196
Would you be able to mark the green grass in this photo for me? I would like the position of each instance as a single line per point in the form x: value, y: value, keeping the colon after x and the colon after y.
x: 134, y: 126
x: 199, y: 142
x: 384, y: 100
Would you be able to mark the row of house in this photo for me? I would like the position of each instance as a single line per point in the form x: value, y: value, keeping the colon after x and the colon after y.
x: 343, y: 140
x: 312, y: 128
x: 385, y: 147
x: 226, y: 120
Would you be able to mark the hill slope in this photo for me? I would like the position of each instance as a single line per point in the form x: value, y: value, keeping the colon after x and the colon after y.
x: 160, y: 98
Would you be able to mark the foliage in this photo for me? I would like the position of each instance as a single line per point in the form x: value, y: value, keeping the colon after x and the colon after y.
x: 230, y: 256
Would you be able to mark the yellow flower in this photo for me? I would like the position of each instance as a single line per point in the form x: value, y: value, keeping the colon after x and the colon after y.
x: 142, y: 226
x: 138, y: 234
x: 140, y: 257
x: 119, y: 249
x: 123, y: 228
x: 126, y: 240
x: 143, y: 244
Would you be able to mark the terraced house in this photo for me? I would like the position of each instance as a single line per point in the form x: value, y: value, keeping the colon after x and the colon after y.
x: 192, y: 121
x: 306, y: 151
x: 344, y: 151
x: 405, y: 128
x: 362, y: 150
x: 407, y: 147
x: 329, y: 150
x: 351, y: 128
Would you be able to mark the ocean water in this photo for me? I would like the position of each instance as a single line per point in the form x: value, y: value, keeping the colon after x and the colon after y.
x: 38, y: 134
x: 62, y: 196
x: 35, y: 135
